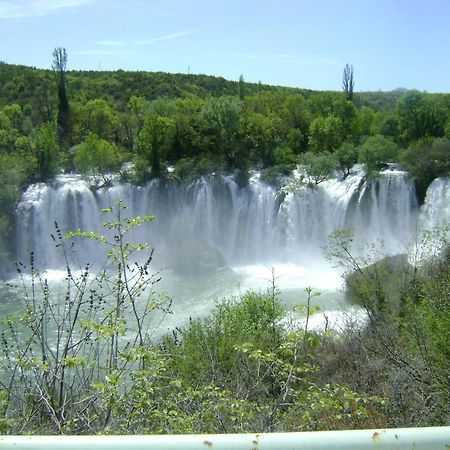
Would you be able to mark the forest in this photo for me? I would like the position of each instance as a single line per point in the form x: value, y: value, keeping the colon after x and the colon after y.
x: 240, y: 369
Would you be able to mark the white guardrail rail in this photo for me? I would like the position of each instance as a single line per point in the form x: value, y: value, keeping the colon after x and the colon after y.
x: 429, y: 438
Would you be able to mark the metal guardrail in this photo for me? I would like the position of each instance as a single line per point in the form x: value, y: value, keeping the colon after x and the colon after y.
x: 393, y: 439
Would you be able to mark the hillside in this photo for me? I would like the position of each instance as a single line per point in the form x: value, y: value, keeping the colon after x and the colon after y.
x: 23, y: 84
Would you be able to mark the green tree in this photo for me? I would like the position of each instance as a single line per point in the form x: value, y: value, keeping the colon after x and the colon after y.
x: 47, y: 151
x: 5, y: 122
x: 408, y: 321
x: 318, y: 167
x: 428, y: 332
x: 375, y: 152
x: 297, y: 118
x: 263, y: 135
x: 163, y: 106
x: 58, y: 385
x: 99, y: 117
x: 389, y: 125
x: 17, y: 118
x: 348, y: 81
x: 154, y: 143
x: 266, y: 103
x: 345, y: 110
x: 427, y: 162
x: 8, y: 134
x: 420, y: 116
x: 97, y: 158
x: 191, y: 130
x: 241, y: 88
x: 347, y: 156
x: 63, y: 118
x: 321, y: 103
x: 223, y: 119
x: 133, y: 120
x: 186, y: 138
x: 139, y: 108
x: 242, y: 350
x: 14, y: 123
x: 326, y: 134
x: 364, y: 124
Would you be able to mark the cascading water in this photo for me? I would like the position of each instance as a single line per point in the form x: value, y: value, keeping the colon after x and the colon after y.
x: 214, y: 232
x: 436, y: 209
x: 251, y: 225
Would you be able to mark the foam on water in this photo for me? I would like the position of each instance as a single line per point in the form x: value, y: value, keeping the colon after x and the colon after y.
x: 289, y: 276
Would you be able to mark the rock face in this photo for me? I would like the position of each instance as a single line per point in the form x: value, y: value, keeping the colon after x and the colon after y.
x: 195, y: 258
x: 396, y: 274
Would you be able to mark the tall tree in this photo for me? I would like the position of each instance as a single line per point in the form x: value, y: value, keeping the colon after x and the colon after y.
x: 326, y: 134
x: 154, y: 142
x: 348, y: 81
x: 420, y: 115
x: 241, y: 88
x: 47, y: 151
x: 63, y: 120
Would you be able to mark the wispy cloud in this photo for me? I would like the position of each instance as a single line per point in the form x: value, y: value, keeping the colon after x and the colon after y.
x: 275, y: 58
x: 105, y: 52
x: 28, y: 8
x: 323, y: 61
x: 143, y: 42
x: 112, y: 43
x: 167, y: 37
x: 237, y: 55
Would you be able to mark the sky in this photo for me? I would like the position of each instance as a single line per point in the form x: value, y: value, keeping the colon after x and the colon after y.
x: 298, y: 43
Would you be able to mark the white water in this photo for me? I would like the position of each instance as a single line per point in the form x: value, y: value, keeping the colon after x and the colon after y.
x: 213, y: 238
x: 436, y: 209
x: 253, y: 225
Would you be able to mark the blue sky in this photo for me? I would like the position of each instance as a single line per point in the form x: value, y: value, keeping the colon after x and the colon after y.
x: 301, y: 43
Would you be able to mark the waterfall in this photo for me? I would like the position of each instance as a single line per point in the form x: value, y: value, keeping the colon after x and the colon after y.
x: 213, y: 238
x: 436, y: 209
x: 256, y: 224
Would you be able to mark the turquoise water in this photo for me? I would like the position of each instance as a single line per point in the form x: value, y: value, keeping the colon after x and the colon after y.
x: 195, y: 296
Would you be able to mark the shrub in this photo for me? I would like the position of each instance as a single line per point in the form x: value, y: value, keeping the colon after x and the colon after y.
x: 375, y: 152
x: 189, y: 169
x: 318, y: 166
x: 97, y: 158
x: 425, y: 163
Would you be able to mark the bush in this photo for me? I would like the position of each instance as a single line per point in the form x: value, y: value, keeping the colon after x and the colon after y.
x: 97, y: 158
x: 245, y: 351
x: 284, y: 156
x: 405, y: 342
x: 425, y: 163
x: 375, y: 152
x: 208, y: 347
x: 63, y: 346
x: 347, y: 156
x: 318, y: 166
x: 273, y: 176
x: 381, y: 287
x: 189, y: 169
